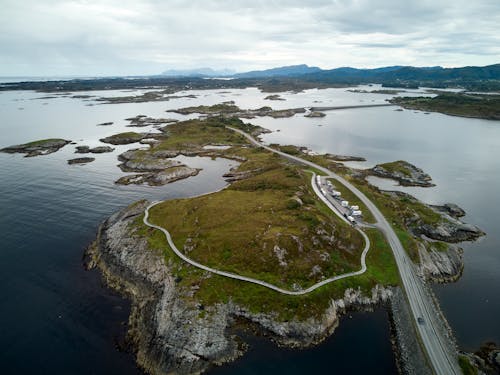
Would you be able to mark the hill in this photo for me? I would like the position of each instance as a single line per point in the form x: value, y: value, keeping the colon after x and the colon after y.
x: 283, y: 71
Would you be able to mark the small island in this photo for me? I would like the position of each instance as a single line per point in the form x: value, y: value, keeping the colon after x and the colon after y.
x: 229, y: 109
x: 405, y: 173
x: 315, y: 114
x: 93, y: 150
x: 80, y: 160
x: 124, y: 138
x: 455, y: 104
x: 37, y: 148
x: 274, y: 97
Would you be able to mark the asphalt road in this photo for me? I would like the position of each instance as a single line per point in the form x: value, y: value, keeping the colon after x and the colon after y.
x: 255, y: 281
x: 433, y: 336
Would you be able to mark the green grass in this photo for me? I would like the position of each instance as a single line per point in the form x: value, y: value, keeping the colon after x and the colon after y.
x: 253, y: 217
x: 194, y: 134
x: 397, y: 166
x: 127, y: 135
x: 42, y: 142
x: 212, y: 289
x: 466, y: 366
x: 205, y: 109
x: 238, y: 228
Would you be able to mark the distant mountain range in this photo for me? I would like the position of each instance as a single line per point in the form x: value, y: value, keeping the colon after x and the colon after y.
x: 284, y: 71
x: 200, y: 72
x: 387, y: 75
x: 407, y: 73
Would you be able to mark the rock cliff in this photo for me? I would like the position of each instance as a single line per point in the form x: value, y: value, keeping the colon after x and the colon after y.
x: 172, y: 333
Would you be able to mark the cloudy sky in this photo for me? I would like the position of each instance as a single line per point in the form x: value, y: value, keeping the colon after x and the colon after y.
x: 133, y: 37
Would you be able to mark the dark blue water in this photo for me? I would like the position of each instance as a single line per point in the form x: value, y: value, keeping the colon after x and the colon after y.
x: 358, y: 346
x: 55, y: 317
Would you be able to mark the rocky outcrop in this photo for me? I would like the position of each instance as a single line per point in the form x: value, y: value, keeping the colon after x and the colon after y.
x: 234, y: 175
x: 448, y: 230
x: 441, y: 266
x: 315, y: 114
x: 37, y: 148
x: 81, y: 160
x: 142, y: 120
x: 274, y: 97
x: 405, y: 173
x: 285, y: 112
x: 145, y: 161
x: 486, y: 359
x: 123, y: 138
x: 94, y: 150
x: 344, y: 157
x: 312, y: 331
x: 169, y: 334
x: 159, y: 178
x: 169, y: 330
x: 228, y: 109
x: 450, y: 209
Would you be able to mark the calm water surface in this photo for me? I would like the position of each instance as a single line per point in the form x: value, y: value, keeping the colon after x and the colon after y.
x: 57, y: 318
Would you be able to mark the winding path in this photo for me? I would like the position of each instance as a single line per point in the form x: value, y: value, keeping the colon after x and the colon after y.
x: 437, y: 343
x: 252, y: 280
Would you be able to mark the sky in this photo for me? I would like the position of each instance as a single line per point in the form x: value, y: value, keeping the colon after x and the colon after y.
x: 126, y: 37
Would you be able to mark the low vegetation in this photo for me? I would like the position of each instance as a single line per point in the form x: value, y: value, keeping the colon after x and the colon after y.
x: 465, y: 105
x: 397, y: 166
x: 269, y: 225
x: 466, y: 367
x: 402, y: 211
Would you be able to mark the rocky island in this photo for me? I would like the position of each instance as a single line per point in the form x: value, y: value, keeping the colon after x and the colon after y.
x: 93, y: 150
x: 37, y: 148
x: 315, y: 114
x: 274, y: 97
x: 124, y: 138
x: 455, y: 104
x: 229, y: 109
x: 269, y: 225
x: 80, y: 160
x: 405, y: 173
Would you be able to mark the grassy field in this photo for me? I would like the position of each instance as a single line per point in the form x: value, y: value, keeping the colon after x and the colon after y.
x: 208, y: 289
x: 270, y: 226
x: 397, y: 166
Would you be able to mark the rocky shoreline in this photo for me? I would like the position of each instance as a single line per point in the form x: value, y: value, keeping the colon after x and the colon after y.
x: 173, y: 334
x: 37, y: 148
x: 405, y: 173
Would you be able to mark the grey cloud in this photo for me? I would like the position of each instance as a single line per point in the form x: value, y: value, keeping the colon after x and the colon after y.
x: 146, y: 37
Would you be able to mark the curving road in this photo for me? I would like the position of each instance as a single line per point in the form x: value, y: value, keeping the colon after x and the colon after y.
x: 435, y: 340
x: 252, y: 280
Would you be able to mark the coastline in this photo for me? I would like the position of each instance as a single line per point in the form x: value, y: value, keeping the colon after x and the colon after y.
x: 144, y: 276
x: 126, y: 262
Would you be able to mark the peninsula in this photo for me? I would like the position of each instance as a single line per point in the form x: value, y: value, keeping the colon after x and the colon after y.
x: 299, y: 266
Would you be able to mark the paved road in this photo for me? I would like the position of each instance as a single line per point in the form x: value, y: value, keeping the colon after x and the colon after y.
x: 437, y: 345
x: 252, y: 280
